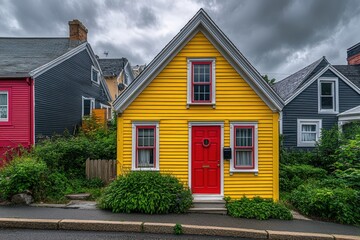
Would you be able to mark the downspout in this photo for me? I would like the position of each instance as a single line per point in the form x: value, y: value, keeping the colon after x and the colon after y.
x: 30, y: 82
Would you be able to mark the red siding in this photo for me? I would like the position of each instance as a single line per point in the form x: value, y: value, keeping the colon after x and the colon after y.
x: 19, y: 129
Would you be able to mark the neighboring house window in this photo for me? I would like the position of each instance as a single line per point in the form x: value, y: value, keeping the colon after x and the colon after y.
x: 328, y: 95
x: 244, y: 146
x: 145, y: 146
x: 4, y: 106
x: 95, y: 75
x: 308, y: 132
x: 88, y: 104
x: 108, y: 111
x: 201, y: 81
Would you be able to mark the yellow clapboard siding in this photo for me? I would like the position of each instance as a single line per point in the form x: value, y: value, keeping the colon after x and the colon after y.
x: 164, y: 100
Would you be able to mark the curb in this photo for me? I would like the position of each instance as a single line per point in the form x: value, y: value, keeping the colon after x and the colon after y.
x: 162, y: 228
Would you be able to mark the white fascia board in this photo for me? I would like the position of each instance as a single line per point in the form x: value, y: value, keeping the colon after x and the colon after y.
x: 345, y: 79
x: 174, y: 46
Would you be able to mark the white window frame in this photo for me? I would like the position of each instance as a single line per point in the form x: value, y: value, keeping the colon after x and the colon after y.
x: 103, y: 106
x: 7, y: 107
x: 335, y: 95
x: 232, y: 145
x: 98, y: 75
x: 300, y: 122
x: 92, y: 105
x: 157, y: 150
x: 190, y: 61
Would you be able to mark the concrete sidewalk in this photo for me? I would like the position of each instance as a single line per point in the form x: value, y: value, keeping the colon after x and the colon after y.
x: 68, y: 218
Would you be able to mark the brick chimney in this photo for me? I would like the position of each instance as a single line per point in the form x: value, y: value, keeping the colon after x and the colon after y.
x: 353, y: 54
x: 78, y: 31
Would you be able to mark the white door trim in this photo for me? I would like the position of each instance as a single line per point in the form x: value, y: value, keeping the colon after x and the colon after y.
x: 207, y: 196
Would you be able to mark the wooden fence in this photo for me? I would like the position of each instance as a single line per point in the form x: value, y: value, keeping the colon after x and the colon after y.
x: 103, y: 169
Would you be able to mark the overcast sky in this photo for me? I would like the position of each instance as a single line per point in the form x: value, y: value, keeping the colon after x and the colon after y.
x: 278, y: 37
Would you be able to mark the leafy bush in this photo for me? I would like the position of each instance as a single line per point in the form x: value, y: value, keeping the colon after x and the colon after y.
x: 258, y: 208
x: 350, y: 176
x: 68, y: 154
x: 291, y: 176
x: 348, y: 154
x: 20, y: 175
x: 146, y: 192
x: 291, y: 157
x: 335, y: 203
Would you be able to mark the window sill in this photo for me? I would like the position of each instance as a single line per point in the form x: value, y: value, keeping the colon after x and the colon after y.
x: 307, y: 145
x: 201, y: 104
x: 145, y: 169
x: 327, y: 112
x: 5, y: 124
x: 256, y: 171
x: 96, y: 83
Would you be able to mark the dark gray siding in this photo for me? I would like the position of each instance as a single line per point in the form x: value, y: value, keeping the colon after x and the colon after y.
x: 305, y: 106
x: 58, y: 95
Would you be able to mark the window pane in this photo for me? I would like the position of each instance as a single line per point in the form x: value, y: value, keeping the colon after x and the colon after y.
x: 87, y: 107
x: 201, y: 92
x: 326, y: 88
x: 201, y: 73
x: 308, y: 128
x: 326, y: 102
x: 244, y: 137
x: 3, y: 112
x: 145, y: 158
x: 3, y: 99
x: 95, y: 75
x: 308, y: 137
x: 243, y: 158
x: 145, y: 137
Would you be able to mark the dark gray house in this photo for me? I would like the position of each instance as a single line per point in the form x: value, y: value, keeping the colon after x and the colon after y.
x: 47, y: 85
x: 319, y: 96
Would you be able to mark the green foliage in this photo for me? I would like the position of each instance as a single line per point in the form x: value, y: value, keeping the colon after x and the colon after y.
x: 257, y: 208
x: 178, y: 229
x: 335, y: 203
x: 291, y: 157
x: 68, y: 154
x: 20, y: 175
x: 291, y: 176
x: 269, y: 81
x: 348, y: 154
x: 146, y: 192
x: 350, y: 176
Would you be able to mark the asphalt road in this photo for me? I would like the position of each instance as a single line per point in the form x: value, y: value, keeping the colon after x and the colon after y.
x: 26, y: 234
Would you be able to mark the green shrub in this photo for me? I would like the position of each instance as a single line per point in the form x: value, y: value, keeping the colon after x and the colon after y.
x: 334, y: 203
x: 146, y: 192
x: 257, y: 208
x: 291, y: 176
x: 22, y: 174
x: 292, y: 157
x: 348, y: 154
x: 178, y: 229
x: 350, y: 176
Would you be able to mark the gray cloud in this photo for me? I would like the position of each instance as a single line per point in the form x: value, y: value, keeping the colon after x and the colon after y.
x: 277, y: 36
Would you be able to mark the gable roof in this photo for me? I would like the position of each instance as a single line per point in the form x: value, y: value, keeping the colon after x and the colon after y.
x: 19, y: 56
x: 286, y: 87
x: 111, y: 67
x: 351, y: 72
x: 200, y: 22
x: 290, y: 87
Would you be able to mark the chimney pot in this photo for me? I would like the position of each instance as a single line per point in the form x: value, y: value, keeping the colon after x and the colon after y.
x: 77, y: 31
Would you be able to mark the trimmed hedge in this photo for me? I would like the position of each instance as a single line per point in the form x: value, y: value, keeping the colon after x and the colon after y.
x: 258, y: 208
x: 146, y: 192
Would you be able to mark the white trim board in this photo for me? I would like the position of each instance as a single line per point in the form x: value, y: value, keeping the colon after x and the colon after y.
x: 335, y: 95
x: 317, y: 122
x: 207, y: 196
x: 200, y: 22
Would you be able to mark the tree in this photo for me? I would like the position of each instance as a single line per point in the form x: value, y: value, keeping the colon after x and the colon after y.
x: 269, y: 81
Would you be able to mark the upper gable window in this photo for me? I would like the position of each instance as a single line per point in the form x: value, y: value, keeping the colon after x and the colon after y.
x: 328, y: 95
x: 4, y: 106
x: 95, y: 75
x: 201, y: 81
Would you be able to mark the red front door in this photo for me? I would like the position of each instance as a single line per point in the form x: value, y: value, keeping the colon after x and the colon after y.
x: 205, y: 159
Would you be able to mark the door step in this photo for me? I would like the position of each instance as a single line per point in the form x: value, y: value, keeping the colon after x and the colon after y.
x: 208, y: 206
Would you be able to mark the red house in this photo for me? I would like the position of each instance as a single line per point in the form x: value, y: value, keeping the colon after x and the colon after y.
x: 47, y: 85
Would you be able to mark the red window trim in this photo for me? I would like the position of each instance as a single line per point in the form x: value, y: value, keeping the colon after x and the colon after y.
x: 239, y: 147
x: 201, y: 83
x: 8, y: 122
x: 149, y: 147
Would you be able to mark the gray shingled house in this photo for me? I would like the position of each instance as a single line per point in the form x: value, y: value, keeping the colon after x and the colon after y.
x: 47, y: 85
x: 319, y: 96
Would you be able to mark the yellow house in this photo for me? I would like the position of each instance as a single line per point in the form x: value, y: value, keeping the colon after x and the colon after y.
x: 201, y: 112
